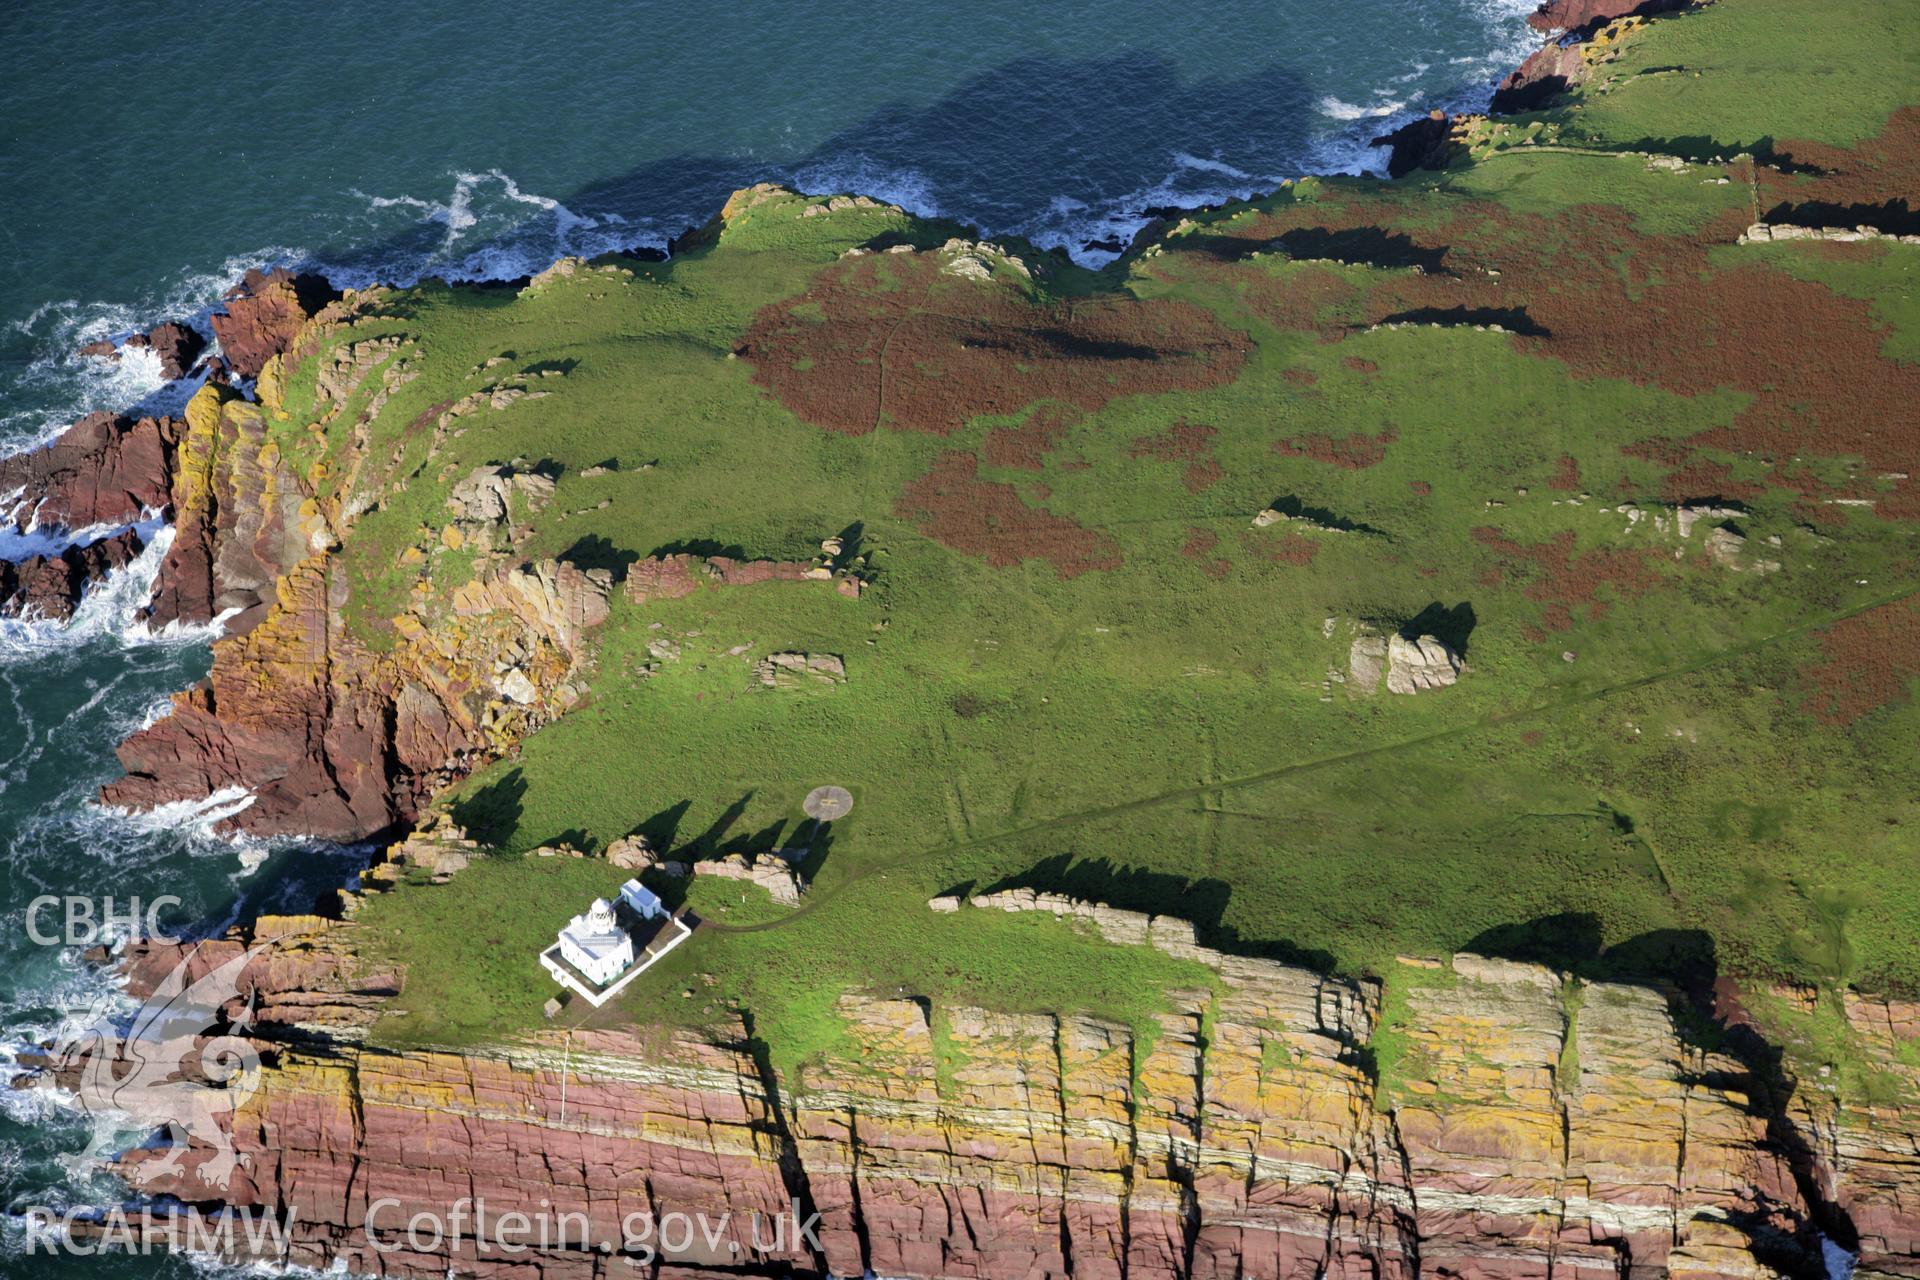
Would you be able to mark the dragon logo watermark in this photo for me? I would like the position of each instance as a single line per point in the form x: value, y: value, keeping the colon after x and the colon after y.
x: 177, y: 1064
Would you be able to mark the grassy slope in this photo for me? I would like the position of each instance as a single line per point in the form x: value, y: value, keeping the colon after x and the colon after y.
x: 1156, y: 736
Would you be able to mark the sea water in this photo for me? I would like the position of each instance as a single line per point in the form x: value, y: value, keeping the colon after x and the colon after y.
x: 150, y: 153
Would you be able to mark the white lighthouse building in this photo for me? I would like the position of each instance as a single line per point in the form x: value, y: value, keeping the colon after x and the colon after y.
x: 612, y: 943
x: 597, y: 944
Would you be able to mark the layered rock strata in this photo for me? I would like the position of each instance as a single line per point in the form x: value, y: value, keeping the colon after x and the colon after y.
x: 1490, y: 1119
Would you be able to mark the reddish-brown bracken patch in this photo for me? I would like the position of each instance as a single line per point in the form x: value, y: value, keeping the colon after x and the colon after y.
x: 1199, y: 546
x: 1656, y: 311
x: 1359, y: 365
x: 1562, y: 581
x: 1188, y: 442
x: 1871, y: 660
x: 1873, y: 184
x: 1566, y: 477
x: 1420, y: 487
x: 1301, y: 377
x: 1355, y: 452
x: 886, y: 340
x: 1286, y: 548
x: 1026, y: 445
x: 954, y: 507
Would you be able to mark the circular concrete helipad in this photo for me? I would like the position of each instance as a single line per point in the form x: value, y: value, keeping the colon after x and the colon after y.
x: 828, y: 803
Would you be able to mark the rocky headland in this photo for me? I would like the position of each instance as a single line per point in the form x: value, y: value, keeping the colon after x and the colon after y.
x: 1464, y: 1116
x: 1535, y: 1125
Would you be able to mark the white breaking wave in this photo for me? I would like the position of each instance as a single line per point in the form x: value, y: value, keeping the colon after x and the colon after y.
x: 50, y: 540
x: 861, y: 174
x: 62, y: 385
x: 198, y: 817
x: 1335, y: 109
x: 1184, y: 161
x: 199, y: 821
x: 110, y: 610
x: 490, y: 235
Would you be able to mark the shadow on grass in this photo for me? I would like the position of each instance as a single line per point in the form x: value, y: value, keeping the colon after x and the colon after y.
x: 491, y: 814
x: 596, y: 552
x: 1573, y: 942
x: 1891, y: 217
x: 1451, y: 626
x: 1202, y: 903
x: 1512, y: 319
x: 705, y: 548
x: 1700, y: 149
x: 1294, y: 509
x: 1353, y: 247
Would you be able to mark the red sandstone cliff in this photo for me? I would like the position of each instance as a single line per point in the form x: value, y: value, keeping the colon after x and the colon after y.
x: 1535, y: 1129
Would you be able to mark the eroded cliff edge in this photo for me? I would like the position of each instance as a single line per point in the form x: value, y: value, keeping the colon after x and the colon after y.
x: 1530, y: 1125
x: 1482, y: 1118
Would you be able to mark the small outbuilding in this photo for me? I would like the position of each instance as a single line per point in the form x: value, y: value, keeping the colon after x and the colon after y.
x: 645, y: 902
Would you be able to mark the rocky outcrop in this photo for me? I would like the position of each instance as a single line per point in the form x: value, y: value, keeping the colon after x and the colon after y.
x: 798, y: 670
x: 485, y: 502
x: 265, y: 313
x: 49, y: 588
x: 1420, y: 662
x: 1410, y: 664
x: 1546, y: 74
x: 103, y: 470
x: 1493, y: 1119
x: 240, y: 520
x: 334, y: 739
x: 1431, y: 141
x: 772, y: 872
x: 1582, y: 17
x: 175, y: 345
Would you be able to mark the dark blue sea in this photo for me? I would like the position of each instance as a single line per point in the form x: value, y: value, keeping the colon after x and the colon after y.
x: 152, y: 150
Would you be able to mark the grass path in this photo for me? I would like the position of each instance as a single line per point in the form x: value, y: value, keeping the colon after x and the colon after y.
x: 1222, y: 786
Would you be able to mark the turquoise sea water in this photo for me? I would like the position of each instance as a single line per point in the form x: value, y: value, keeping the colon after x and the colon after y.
x: 149, y: 152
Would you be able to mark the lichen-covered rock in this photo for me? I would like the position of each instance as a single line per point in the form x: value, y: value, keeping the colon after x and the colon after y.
x: 1531, y: 1127
x: 797, y: 670
x: 1366, y: 662
x: 239, y: 518
x: 1423, y: 662
x: 332, y: 739
x: 777, y: 876
x: 633, y: 853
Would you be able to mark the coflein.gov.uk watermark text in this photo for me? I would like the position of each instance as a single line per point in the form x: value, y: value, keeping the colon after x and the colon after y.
x: 466, y: 1228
